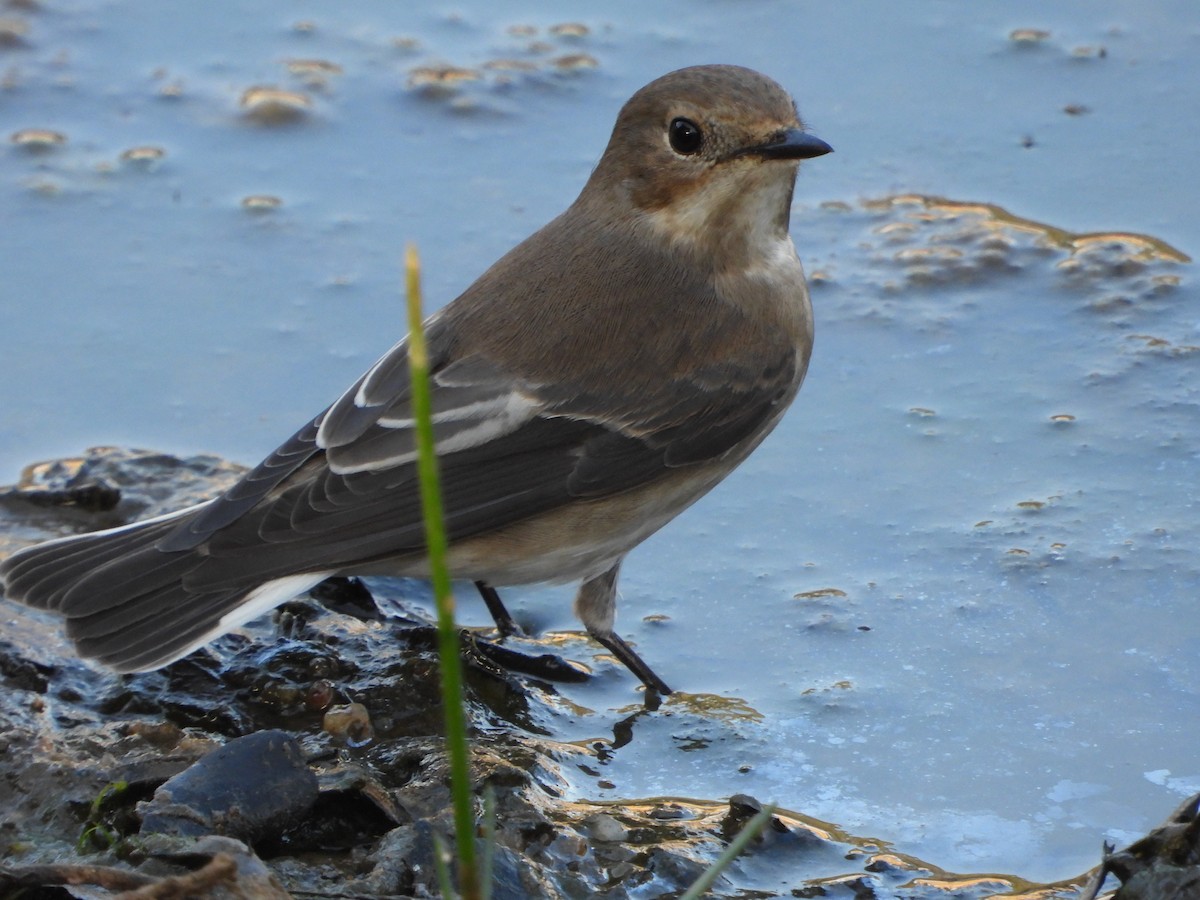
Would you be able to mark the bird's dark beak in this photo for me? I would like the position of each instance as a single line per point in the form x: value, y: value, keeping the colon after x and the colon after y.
x: 791, y: 143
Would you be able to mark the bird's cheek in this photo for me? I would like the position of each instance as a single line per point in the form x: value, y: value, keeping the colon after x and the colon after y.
x: 656, y: 190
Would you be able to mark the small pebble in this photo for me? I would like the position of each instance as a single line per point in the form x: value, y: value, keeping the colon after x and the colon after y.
x: 575, y: 62
x: 313, y: 67
x: 351, y: 723
x: 569, y: 29
x: 510, y: 65
x: 272, y: 106
x: 440, y: 77
x: 1028, y: 35
x: 819, y: 594
x: 605, y: 829
x: 37, y: 139
x: 320, y: 695
x: 146, y: 157
x: 261, y: 203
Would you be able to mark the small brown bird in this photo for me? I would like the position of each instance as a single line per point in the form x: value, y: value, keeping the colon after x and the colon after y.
x: 592, y: 384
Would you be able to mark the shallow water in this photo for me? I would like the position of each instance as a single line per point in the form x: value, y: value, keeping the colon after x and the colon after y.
x: 1026, y: 687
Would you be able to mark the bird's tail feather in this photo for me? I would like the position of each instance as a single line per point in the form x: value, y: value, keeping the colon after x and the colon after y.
x: 125, y: 600
x: 112, y: 637
x: 43, y: 575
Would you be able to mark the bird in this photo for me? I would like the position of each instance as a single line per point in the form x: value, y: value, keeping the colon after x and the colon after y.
x: 592, y: 384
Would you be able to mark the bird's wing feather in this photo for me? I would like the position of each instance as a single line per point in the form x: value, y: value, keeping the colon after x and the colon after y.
x: 358, y: 502
x: 369, y: 428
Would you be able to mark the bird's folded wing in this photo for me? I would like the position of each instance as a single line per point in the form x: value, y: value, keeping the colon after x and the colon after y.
x: 368, y: 428
x: 343, y: 490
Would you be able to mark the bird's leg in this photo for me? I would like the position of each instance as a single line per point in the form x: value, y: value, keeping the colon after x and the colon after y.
x: 505, y: 623
x: 596, y: 606
x: 632, y: 662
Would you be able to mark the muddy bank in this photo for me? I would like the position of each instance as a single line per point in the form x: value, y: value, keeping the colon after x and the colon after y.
x: 300, y: 756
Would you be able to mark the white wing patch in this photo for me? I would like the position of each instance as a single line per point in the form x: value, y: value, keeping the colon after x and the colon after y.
x: 509, y: 406
x: 477, y: 422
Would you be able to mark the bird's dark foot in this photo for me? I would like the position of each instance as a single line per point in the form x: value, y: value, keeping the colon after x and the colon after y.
x: 546, y: 666
x: 490, y: 657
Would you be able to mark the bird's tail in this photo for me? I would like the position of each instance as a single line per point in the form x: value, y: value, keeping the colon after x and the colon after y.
x: 126, y: 602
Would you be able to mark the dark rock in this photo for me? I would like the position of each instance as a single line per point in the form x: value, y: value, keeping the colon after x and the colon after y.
x: 1164, y: 865
x: 252, y: 787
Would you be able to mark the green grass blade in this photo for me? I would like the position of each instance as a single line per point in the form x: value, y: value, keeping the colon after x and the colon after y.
x: 749, y: 832
x: 435, y: 541
x: 441, y: 867
x: 488, y: 861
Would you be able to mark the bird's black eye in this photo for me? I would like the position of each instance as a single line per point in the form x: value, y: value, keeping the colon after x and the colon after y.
x: 685, y: 136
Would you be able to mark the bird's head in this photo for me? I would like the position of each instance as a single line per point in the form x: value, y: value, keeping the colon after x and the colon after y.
x: 707, y: 156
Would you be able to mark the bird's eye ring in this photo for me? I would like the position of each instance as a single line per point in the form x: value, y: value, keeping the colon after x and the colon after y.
x: 685, y: 136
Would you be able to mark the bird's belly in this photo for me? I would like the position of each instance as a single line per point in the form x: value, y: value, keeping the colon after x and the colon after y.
x: 574, y: 542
